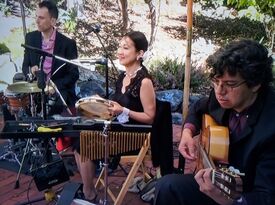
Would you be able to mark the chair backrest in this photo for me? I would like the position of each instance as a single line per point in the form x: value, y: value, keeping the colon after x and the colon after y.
x: 162, y: 138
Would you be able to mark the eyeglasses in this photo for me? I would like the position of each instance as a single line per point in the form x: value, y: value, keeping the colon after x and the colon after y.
x: 226, y: 85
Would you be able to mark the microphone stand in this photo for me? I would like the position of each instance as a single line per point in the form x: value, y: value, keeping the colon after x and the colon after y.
x: 41, y: 83
x: 107, y: 79
x: 106, y: 54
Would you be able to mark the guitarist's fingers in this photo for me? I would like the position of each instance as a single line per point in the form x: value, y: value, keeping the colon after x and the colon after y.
x: 187, y: 152
x: 192, y: 150
x: 203, y: 178
x: 199, y: 177
x: 187, y: 146
x: 207, y: 176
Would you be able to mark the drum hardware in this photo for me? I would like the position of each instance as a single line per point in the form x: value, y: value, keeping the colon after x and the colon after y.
x: 10, y: 154
x: 33, y: 88
x: 27, y: 150
x: 37, y: 150
x: 106, y: 158
x: 14, y: 148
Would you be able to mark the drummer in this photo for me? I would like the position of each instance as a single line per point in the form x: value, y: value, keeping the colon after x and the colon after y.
x: 49, y: 39
x: 134, y: 100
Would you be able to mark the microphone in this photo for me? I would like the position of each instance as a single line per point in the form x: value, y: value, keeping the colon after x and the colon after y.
x: 95, y: 29
x: 37, y: 50
x: 41, y: 79
x: 30, y: 78
x: 102, y: 61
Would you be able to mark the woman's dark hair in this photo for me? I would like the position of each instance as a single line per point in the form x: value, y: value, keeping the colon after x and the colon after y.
x: 247, y: 57
x: 139, y: 40
x: 51, y: 6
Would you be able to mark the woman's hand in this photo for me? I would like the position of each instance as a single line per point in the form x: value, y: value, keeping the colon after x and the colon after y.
x: 187, y: 146
x: 34, y: 69
x: 115, y: 108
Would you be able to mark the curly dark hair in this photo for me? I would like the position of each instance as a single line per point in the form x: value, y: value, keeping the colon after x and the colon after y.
x: 247, y: 57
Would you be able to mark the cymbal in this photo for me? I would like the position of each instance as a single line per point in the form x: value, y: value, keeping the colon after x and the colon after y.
x: 3, y: 82
x: 24, y: 87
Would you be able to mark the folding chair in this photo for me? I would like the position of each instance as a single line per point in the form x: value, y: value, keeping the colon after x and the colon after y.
x: 92, y: 147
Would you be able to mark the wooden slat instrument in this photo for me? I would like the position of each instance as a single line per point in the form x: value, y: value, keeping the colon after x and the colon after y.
x: 92, y: 143
x: 135, y: 137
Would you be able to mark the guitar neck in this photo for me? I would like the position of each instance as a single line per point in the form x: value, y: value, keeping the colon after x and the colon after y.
x: 206, y: 161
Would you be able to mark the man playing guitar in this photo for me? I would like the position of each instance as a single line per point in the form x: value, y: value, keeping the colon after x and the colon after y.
x: 243, y: 100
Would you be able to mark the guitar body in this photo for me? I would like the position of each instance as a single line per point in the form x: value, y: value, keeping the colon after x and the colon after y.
x: 213, y: 151
x: 215, y: 140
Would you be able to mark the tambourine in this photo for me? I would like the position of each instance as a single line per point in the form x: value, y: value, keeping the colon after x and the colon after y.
x: 94, y: 107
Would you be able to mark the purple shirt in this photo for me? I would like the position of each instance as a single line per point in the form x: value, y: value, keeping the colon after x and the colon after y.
x: 48, y: 46
x: 237, y: 122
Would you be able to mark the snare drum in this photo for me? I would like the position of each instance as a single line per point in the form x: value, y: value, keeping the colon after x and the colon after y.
x: 16, y: 101
x: 94, y: 107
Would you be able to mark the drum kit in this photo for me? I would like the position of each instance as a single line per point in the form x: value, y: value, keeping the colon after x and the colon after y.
x: 19, y: 98
x: 18, y: 101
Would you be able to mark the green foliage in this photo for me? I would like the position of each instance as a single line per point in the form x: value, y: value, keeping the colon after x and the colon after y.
x: 169, y: 74
x: 69, y: 20
x: 264, y: 6
x: 4, y: 48
x: 5, y: 9
x: 211, y: 3
x: 226, y: 30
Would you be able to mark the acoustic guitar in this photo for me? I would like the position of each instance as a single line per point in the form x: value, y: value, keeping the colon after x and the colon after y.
x: 213, y: 153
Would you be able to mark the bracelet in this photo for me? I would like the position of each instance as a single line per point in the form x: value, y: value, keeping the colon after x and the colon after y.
x: 126, y: 111
x: 124, y: 116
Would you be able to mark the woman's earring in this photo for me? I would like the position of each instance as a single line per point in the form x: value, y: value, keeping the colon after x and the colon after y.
x: 139, y: 58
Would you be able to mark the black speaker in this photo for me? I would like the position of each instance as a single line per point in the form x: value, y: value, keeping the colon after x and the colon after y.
x: 50, y: 174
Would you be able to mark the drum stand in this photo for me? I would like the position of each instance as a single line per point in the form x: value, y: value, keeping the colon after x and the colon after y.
x: 106, y: 158
x: 10, y: 155
x: 30, y: 147
x: 11, y: 147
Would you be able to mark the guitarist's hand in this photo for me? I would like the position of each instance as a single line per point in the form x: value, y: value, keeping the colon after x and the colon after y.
x: 203, y: 178
x: 187, y: 146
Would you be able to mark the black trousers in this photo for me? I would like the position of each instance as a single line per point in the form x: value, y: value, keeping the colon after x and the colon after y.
x: 177, y: 189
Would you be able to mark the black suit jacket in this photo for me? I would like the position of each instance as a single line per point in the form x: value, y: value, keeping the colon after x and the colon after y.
x: 66, y: 77
x: 253, y: 153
